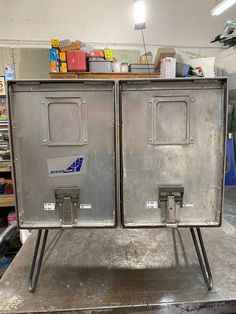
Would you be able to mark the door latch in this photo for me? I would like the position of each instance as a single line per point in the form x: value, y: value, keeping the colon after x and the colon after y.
x: 67, y: 204
x: 171, y: 200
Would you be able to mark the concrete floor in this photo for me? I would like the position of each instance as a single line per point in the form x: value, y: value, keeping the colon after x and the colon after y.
x: 126, y: 271
x: 230, y: 205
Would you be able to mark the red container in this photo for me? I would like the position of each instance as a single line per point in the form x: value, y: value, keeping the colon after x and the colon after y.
x: 76, y: 61
x: 11, y: 218
x: 96, y: 54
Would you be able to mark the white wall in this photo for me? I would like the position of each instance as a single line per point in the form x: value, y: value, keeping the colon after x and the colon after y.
x: 227, y: 62
x: 100, y: 23
x: 185, y: 23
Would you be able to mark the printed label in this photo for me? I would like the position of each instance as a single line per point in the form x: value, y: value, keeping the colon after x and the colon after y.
x: 49, y: 206
x: 64, y: 166
x: 152, y: 204
x: 85, y: 206
x: 187, y: 204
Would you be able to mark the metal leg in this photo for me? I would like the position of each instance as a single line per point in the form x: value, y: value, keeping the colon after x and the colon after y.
x: 202, y: 257
x: 37, y: 260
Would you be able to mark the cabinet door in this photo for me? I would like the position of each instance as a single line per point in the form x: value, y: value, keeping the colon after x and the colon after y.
x: 64, y: 153
x: 173, y: 140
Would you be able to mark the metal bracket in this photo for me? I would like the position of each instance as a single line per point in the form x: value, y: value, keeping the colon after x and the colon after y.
x: 67, y: 204
x: 171, y: 200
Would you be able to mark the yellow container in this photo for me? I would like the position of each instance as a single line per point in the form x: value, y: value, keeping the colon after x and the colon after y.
x: 63, y: 67
x: 62, y: 56
x: 108, y: 54
x: 55, y: 43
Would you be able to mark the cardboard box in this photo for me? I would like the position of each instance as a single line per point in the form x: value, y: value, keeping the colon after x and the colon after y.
x: 96, y: 54
x: 63, y: 67
x: 55, y: 43
x: 161, y: 54
x: 11, y: 218
x: 62, y: 56
x: 168, y: 67
x: 108, y: 54
x: 146, y: 58
x: 54, y: 66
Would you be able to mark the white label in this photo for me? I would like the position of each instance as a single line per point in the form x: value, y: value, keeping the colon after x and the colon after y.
x: 2, y: 86
x: 85, y: 206
x: 152, y: 204
x: 187, y: 204
x: 49, y: 206
x: 64, y: 166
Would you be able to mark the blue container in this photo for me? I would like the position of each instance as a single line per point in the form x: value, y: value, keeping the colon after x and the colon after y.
x: 53, y: 55
x: 230, y: 177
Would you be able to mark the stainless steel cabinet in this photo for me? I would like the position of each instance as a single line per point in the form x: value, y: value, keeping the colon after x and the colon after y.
x: 173, y: 147
x: 64, y: 153
x: 162, y: 164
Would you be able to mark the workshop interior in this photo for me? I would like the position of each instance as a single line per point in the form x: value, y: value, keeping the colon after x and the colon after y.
x: 117, y: 156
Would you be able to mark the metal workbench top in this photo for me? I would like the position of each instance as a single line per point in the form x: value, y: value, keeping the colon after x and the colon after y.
x: 137, y: 270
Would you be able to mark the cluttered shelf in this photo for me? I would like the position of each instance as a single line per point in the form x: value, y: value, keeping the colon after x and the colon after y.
x: 7, y: 200
x: 102, y: 75
x: 5, y: 169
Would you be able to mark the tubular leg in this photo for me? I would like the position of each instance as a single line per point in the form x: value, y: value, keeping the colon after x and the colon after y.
x: 37, y: 260
x: 202, y: 257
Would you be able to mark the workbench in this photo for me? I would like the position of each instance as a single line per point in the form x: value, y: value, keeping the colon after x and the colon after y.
x: 124, y: 271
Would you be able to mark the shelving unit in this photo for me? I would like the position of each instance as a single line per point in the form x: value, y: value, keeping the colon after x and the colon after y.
x: 7, y: 202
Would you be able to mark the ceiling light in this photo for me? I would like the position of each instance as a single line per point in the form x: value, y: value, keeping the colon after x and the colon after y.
x: 222, y: 6
x: 139, y: 14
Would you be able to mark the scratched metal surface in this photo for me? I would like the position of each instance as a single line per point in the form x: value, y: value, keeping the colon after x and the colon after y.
x: 118, y: 268
x: 124, y: 271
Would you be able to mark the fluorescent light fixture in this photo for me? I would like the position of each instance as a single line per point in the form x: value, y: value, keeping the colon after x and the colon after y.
x: 139, y: 14
x: 222, y: 6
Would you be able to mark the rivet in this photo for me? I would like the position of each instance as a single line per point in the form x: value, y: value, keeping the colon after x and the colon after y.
x: 44, y: 141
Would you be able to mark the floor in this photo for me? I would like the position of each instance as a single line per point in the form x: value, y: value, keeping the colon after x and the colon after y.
x: 230, y: 205
x: 127, y: 271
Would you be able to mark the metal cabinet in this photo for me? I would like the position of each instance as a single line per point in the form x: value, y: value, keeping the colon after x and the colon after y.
x: 63, y: 142
x: 173, y: 148
x: 133, y: 153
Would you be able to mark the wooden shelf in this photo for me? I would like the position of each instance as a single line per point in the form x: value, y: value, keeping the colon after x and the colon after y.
x: 5, y: 169
x: 104, y: 75
x: 7, y: 200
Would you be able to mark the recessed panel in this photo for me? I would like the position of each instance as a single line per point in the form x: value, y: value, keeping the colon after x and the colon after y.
x: 64, y: 119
